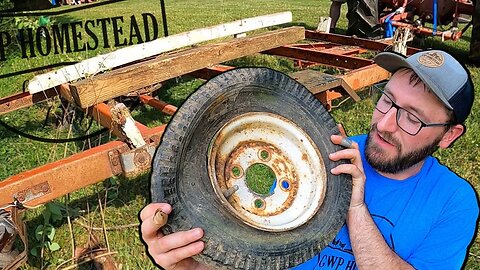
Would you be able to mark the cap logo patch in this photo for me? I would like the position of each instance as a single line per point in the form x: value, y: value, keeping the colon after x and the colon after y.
x: 431, y: 59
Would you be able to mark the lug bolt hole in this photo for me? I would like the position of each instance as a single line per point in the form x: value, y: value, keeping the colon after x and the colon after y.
x: 237, y: 171
x: 259, y: 203
x: 285, y: 184
x: 264, y: 155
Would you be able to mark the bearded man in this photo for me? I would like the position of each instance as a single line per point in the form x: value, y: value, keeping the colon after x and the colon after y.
x: 407, y: 211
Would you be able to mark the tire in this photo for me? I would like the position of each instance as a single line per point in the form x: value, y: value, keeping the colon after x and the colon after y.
x: 363, y: 19
x: 181, y: 171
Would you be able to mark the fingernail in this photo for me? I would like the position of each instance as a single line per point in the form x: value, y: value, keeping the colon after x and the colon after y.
x: 197, y: 232
x: 346, y: 142
x: 199, y: 246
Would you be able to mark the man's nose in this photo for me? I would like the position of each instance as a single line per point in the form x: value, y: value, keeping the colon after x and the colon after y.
x: 388, y: 122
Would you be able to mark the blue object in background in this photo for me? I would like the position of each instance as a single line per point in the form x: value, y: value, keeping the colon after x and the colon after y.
x: 435, y: 7
x: 389, y: 29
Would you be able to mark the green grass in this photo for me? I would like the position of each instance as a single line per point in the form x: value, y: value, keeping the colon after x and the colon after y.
x: 260, y: 178
x: 127, y: 196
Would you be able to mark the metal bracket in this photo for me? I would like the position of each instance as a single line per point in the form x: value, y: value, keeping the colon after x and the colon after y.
x: 137, y: 161
x: 115, y: 164
x: 33, y: 192
x: 133, y: 162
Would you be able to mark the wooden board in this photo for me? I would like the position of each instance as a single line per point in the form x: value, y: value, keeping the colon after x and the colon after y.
x: 365, y: 76
x: 127, y: 79
x: 316, y: 81
x: 137, y: 52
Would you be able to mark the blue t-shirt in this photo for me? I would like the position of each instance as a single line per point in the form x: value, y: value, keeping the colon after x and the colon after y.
x: 428, y: 219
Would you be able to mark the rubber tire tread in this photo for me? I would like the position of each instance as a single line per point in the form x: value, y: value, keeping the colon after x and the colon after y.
x: 180, y: 175
x: 363, y: 19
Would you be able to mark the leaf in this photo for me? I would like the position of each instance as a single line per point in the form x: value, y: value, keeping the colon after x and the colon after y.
x: 35, y: 251
x: 46, y: 216
x: 50, y: 232
x: 54, y: 208
x: 39, y: 232
x: 53, y: 246
x: 112, y: 195
x: 74, y: 212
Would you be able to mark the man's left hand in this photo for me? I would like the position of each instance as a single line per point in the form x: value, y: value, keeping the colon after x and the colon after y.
x: 355, y: 169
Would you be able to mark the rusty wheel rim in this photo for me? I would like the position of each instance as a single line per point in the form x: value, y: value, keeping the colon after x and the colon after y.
x: 269, y: 140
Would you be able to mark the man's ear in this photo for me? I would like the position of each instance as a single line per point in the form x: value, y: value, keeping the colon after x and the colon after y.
x: 453, y: 133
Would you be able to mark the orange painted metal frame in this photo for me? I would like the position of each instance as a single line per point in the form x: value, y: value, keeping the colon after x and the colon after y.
x: 50, y: 181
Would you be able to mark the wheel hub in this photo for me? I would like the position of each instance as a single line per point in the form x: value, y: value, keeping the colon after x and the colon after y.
x: 266, y: 171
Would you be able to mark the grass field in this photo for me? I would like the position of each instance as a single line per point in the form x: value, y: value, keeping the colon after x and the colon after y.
x: 121, y: 199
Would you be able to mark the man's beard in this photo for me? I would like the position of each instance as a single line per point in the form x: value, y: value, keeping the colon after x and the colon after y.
x: 378, y: 159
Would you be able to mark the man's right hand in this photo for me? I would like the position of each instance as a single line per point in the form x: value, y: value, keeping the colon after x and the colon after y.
x: 173, y: 251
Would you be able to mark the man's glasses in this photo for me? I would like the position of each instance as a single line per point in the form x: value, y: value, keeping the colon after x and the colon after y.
x: 406, y: 120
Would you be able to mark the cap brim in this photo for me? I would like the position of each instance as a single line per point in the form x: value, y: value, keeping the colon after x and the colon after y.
x: 391, y: 61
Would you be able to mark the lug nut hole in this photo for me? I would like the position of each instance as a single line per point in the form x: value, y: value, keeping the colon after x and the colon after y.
x: 259, y: 204
x: 285, y: 184
x: 237, y: 171
x: 264, y: 155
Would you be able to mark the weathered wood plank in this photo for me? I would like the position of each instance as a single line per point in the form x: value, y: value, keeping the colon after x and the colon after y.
x: 127, y: 79
x: 316, y: 81
x: 148, y: 49
x: 365, y: 76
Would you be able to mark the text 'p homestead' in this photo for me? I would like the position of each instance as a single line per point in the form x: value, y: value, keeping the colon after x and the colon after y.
x: 81, y: 36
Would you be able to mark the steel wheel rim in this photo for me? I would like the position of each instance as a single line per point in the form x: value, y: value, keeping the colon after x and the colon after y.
x: 299, y: 187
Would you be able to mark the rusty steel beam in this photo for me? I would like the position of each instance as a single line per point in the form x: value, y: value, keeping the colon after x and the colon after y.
x: 315, y: 45
x: 50, y: 181
x: 210, y: 72
x: 332, y: 48
x: 55, y: 179
x: 347, y: 40
x: 446, y: 35
x: 101, y: 113
x: 341, y: 61
x: 158, y: 104
x: 353, y: 41
x: 23, y: 100
x: 345, y: 50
